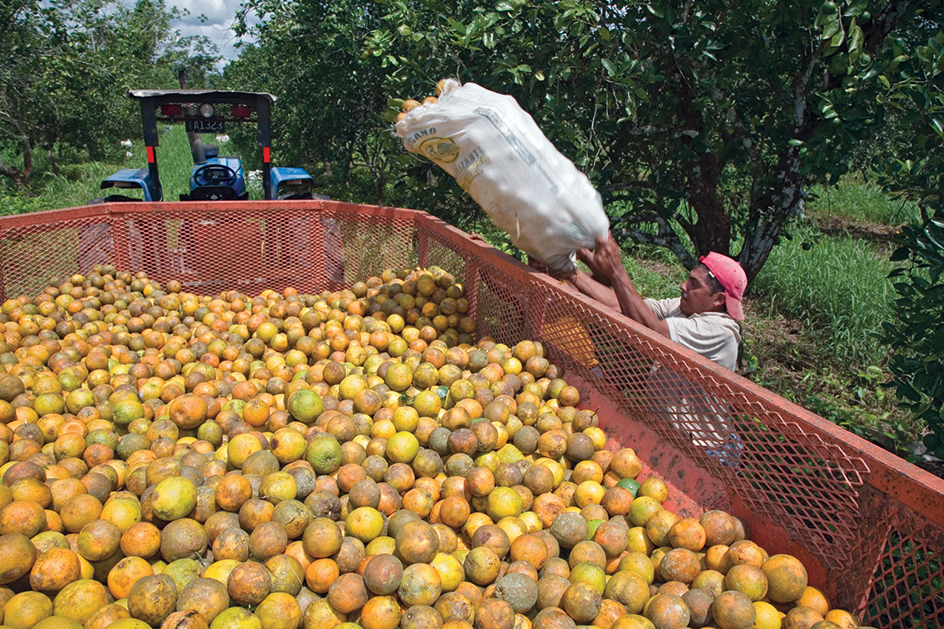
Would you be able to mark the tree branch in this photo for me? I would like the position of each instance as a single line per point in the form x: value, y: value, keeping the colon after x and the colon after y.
x: 665, y: 237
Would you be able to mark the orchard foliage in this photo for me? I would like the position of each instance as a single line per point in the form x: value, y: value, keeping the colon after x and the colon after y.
x: 310, y: 55
x: 911, y: 165
x: 64, y: 69
x: 916, y: 334
x: 701, y: 123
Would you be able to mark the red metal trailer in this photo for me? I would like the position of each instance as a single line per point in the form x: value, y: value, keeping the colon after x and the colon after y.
x: 868, y: 526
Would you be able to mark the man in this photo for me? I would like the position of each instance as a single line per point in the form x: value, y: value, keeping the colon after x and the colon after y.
x: 703, y: 319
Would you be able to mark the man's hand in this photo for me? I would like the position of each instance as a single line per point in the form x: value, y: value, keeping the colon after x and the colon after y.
x: 608, y: 258
x: 586, y: 256
x: 607, y: 262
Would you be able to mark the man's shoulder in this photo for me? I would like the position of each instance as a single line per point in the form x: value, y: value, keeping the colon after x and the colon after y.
x: 716, y: 318
x: 666, y: 308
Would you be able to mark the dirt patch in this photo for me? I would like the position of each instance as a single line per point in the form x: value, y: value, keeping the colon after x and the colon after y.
x: 877, y: 234
x: 932, y: 467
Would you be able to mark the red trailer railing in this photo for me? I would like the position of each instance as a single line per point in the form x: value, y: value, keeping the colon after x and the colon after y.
x: 868, y: 526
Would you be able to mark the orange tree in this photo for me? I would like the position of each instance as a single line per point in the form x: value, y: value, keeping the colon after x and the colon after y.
x: 311, y: 56
x: 700, y: 122
x: 912, y: 166
x: 64, y: 68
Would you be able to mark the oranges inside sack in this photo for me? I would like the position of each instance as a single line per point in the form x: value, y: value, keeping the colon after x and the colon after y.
x: 407, y: 105
x: 354, y: 458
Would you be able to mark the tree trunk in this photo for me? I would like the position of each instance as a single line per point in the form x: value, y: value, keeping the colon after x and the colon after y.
x: 381, y: 190
x: 712, y: 231
x: 53, y: 163
x: 757, y: 247
x: 21, y: 176
x: 15, y: 174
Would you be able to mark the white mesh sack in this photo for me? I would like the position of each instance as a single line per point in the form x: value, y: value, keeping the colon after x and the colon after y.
x: 496, y: 152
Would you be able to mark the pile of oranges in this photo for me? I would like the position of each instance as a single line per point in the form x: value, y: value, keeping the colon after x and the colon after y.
x: 349, y: 459
x: 409, y: 104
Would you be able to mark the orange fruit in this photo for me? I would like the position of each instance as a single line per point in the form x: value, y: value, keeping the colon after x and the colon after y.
x: 20, y: 516
x: 801, y: 618
x: 364, y: 523
x: 324, y: 453
x: 320, y: 574
x: 402, y: 447
x: 766, y: 616
x: 322, y: 538
x: 279, y: 610
x: 787, y: 578
x: 733, y: 610
x: 125, y: 574
x: 80, y: 599
x: 26, y: 609
x: 348, y: 593
x: 668, y: 610
x: 420, y: 585
x: 249, y: 583
x: 814, y: 599
x: 17, y: 554
x: 380, y: 612
x: 450, y: 571
x: 141, y: 540
x: 98, y: 540
x: 305, y: 405
x: 188, y: 411
x: 122, y: 512
x: 107, y: 615
x: 54, y: 569
x: 173, y: 498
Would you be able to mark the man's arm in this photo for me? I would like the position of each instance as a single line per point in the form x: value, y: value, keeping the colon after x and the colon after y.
x: 590, y: 287
x: 609, y: 262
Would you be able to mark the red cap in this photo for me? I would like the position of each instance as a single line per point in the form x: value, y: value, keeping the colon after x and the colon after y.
x: 732, y: 278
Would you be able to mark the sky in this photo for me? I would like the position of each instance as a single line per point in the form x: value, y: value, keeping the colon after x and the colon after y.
x: 220, y: 15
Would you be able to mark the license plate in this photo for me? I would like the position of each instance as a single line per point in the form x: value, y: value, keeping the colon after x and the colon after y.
x: 206, y: 126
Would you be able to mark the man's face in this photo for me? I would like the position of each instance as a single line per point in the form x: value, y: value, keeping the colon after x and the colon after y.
x: 696, y: 296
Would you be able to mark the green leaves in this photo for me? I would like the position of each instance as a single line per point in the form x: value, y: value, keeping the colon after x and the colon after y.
x: 916, y: 335
x: 66, y: 67
x: 709, y: 119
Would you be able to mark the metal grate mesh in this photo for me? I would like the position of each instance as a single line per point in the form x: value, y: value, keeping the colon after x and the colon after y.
x: 868, y: 526
x: 908, y: 588
x: 800, y: 482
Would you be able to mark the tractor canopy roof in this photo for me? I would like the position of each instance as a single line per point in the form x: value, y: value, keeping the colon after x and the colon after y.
x: 200, y: 96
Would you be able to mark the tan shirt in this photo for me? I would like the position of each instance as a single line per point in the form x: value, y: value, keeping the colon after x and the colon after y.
x: 714, y: 335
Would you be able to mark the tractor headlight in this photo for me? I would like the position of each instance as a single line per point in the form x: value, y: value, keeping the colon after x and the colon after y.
x: 206, y: 110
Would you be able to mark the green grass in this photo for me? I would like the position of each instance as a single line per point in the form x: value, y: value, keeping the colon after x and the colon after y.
x: 862, y: 201
x: 655, y: 284
x: 65, y: 192
x: 837, y: 286
x: 79, y: 184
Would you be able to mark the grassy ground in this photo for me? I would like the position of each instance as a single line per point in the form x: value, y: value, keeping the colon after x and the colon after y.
x: 78, y: 185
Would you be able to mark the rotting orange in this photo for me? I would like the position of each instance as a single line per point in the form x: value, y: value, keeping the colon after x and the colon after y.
x: 787, y: 578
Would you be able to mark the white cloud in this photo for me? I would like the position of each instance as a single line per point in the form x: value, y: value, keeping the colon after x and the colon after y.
x: 217, y: 11
x: 220, y: 15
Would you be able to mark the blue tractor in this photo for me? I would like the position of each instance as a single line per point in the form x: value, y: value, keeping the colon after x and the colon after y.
x: 214, y: 177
